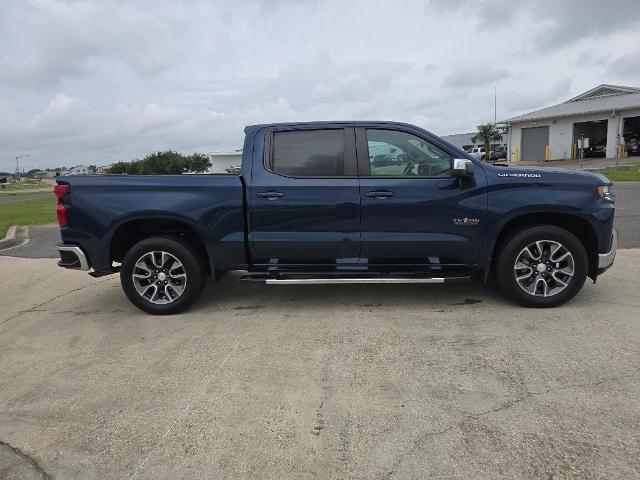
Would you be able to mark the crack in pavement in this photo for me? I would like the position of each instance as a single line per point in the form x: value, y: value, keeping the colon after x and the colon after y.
x: 182, y: 414
x: 510, y: 404
x: 32, y: 461
x: 417, y: 443
x: 36, y: 307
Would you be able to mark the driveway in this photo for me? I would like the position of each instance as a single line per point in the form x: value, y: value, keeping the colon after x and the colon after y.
x: 354, y: 381
x: 587, y: 163
x: 627, y: 219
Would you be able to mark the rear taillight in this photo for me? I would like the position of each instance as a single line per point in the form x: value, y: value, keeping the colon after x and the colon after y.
x: 61, y: 191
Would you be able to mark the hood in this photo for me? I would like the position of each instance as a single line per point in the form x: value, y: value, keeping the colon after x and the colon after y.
x: 553, y: 173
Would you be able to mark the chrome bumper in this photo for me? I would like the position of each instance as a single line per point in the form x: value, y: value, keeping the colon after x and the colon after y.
x: 72, y: 256
x: 605, y: 260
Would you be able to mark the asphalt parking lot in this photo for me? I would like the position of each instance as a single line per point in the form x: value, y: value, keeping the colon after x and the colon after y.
x: 359, y: 381
x: 365, y: 381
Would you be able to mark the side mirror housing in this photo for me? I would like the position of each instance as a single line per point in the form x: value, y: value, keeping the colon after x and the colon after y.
x: 462, y: 168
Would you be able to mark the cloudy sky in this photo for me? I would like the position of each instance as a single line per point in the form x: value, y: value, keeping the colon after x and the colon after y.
x: 98, y: 81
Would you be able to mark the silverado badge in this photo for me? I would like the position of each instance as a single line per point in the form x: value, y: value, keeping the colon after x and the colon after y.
x: 466, y: 221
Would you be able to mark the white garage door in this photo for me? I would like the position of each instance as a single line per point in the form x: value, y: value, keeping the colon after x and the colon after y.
x: 534, y: 143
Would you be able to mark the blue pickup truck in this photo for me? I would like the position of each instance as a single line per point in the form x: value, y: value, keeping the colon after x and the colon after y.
x: 341, y: 202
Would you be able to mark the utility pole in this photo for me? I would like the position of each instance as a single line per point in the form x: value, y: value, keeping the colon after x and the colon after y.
x: 495, y: 104
x: 18, y: 157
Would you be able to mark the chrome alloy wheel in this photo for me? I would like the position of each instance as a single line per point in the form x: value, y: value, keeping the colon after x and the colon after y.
x: 159, y: 277
x: 544, y: 268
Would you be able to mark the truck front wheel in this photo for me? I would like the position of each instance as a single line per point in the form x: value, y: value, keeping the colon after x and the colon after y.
x: 162, y: 275
x: 541, y: 266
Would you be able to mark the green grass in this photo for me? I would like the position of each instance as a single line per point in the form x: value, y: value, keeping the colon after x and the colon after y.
x: 623, y: 175
x: 25, y: 185
x: 29, y: 212
x: 20, y: 193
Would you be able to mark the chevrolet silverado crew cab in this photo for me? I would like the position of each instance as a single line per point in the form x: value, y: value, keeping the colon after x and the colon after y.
x: 341, y: 202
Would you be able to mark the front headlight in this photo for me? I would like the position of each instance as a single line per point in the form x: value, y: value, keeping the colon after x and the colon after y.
x: 604, y: 192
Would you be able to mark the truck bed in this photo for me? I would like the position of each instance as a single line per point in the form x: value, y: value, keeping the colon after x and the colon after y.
x: 101, y: 206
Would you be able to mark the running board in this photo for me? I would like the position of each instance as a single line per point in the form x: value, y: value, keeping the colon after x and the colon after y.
x: 283, y: 280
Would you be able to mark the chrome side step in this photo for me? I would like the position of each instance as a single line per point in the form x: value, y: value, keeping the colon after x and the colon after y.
x: 322, y: 281
x: 327, y: 280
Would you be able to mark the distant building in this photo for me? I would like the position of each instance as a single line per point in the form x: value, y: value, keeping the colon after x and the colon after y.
x: 608, y: 116
x: 78, y: 170
x: 221, y: 161
x: 40, y: 174
x: 463, y: 140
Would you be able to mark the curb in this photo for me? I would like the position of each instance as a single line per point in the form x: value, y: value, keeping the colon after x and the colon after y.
x: 15, y: 235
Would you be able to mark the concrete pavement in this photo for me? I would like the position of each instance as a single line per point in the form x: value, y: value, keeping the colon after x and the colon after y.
x: 587, y: 163
x: 357, y: 381
x: 627, y: 219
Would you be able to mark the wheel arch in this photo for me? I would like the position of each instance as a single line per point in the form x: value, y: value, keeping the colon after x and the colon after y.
x: 131, y: 231
x: 574, y: 224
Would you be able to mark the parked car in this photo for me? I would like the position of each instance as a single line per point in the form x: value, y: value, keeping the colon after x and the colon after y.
x: 309, y: 207
x: 633, y: 146
x: 382, y: 160
x: 596, y: 151
x: 478, y: 153
x: 234, y: 169
x: 500, y: 152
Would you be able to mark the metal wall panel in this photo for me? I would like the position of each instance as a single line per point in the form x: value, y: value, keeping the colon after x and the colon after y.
x: 534, y: 142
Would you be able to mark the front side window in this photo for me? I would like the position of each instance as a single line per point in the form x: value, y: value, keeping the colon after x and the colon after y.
x: 400, y: 154
x: 308, y: 153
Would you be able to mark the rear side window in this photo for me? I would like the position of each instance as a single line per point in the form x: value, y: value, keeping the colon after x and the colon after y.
x: 308, y: 153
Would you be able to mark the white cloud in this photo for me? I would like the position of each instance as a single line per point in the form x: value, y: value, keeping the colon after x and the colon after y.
x: 104, y: 80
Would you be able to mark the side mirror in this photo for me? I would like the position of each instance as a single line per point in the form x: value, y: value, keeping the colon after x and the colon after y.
x: 462, y: 167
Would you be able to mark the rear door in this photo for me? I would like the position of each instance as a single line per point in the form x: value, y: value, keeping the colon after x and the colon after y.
x: 414, y: 213
x: 304, y: 199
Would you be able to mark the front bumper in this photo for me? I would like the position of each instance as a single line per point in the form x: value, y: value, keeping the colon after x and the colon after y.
x: 605, y: 260
x: 72, y: 256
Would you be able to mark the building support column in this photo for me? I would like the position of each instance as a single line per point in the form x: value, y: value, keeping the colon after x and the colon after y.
x: 613, y: 130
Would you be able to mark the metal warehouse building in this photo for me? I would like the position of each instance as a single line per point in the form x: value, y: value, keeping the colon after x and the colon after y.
x: 607, y: 115
x: 463, y: 140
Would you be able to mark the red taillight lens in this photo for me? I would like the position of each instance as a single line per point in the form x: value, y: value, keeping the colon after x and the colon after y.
x: 61, y: 191
x: 62, y: 215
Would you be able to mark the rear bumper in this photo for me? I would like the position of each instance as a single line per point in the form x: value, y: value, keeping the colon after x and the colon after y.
x: 72, y: 256
x: 605, y: 260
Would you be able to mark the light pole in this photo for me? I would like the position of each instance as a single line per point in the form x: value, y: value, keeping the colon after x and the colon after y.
x: 18, y: 157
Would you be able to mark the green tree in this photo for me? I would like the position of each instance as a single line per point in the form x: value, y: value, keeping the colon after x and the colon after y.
x: 164, y: 163
x: 119, y: 167
x: 487, y: 133
x: 198, y: 163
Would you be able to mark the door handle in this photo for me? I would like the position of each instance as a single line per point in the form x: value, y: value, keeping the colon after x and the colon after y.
x: 271, y: 195
x: 380, y: 194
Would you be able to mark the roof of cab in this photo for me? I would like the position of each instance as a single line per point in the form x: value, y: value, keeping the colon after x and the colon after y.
x: 325, y: 123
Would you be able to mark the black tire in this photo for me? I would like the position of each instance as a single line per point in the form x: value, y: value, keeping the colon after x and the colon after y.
x: 194, y: 269
x: 514, y: 245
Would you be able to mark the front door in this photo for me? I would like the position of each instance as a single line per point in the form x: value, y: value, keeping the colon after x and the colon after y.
x: 413, y: 212
x: 304, y: 201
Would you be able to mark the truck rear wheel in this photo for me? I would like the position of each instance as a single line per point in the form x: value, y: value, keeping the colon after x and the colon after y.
x: 162, y: 275
x: 541, y: 266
